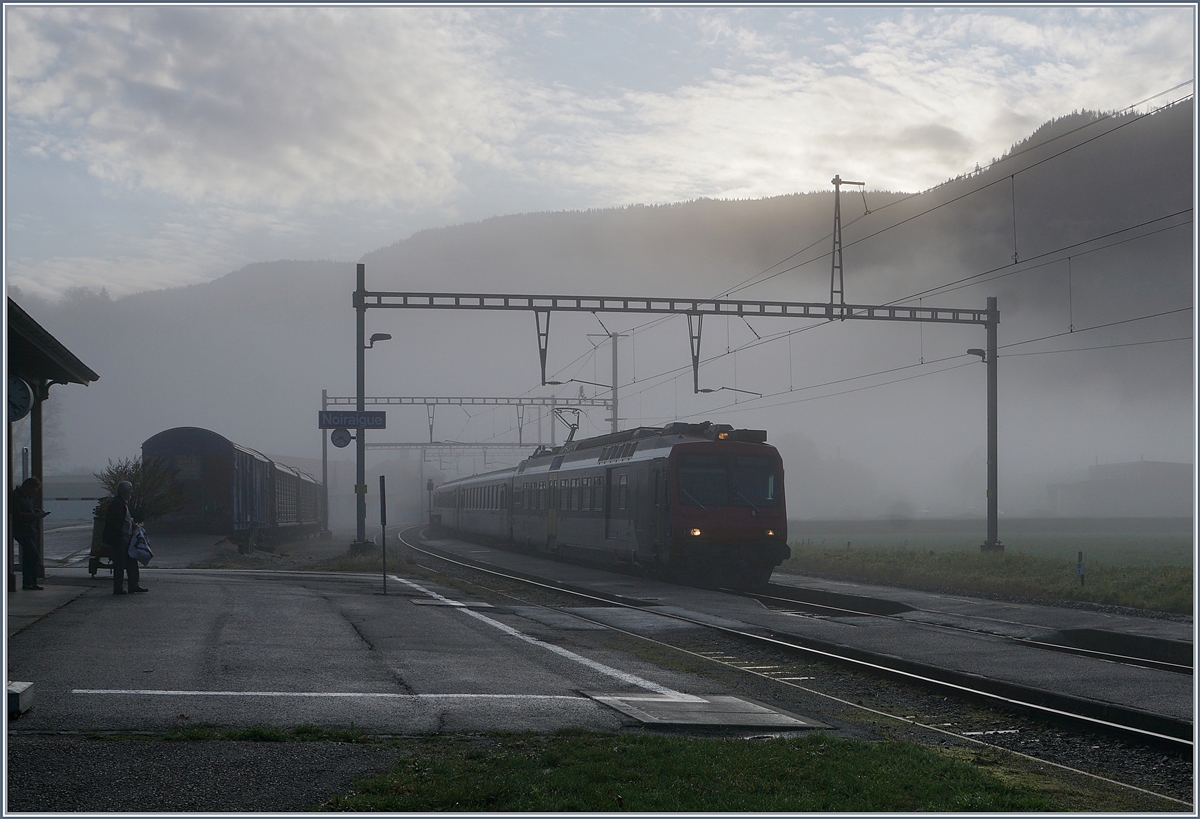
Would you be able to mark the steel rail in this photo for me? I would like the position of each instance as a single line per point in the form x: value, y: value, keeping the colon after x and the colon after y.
x: 1095, y: 722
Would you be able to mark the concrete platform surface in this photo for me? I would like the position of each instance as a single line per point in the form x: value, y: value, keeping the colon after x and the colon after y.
x: 286, y: 648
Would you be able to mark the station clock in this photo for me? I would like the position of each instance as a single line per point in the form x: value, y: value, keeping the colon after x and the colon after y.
x: 20, y: 398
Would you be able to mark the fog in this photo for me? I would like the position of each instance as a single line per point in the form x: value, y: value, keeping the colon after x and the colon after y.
x: 248, y: 354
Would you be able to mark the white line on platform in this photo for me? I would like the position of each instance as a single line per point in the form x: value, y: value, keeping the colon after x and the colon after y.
x: 353, y: 694
x: 623, y: 676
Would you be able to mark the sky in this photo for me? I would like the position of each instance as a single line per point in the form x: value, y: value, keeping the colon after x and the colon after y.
x: 149, y: 146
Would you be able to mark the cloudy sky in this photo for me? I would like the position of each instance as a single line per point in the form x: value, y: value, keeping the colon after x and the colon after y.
x: 150, y: 147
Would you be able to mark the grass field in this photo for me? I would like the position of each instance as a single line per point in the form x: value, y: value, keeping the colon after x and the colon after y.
x: 598, y: 772
x: 574, y: 770
x: 1142, y: 563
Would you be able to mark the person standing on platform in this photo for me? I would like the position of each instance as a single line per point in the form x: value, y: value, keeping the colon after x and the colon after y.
x: 118, y: 531
x: 26, y: 518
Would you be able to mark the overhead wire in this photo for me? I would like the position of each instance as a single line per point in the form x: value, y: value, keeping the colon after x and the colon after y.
x: 927, y: 363
x: 971, y: 192
x: 1101, y: 347
x: 789, y: 333
x: 755, y: 280
x: 950, y: 286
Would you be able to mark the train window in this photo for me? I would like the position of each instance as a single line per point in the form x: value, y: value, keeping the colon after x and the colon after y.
x: 586, y: 498
x: 564, y: 495
x: 598, y: 494
x: 500, y: 500
x: 702, y: 481
x: 623, y: 492
x: 575, y: 494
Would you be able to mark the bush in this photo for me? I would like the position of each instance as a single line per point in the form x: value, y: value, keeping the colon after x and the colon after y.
x: 156, y: 490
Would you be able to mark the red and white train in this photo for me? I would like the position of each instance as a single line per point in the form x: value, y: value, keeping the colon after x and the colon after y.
x: 698, y: 503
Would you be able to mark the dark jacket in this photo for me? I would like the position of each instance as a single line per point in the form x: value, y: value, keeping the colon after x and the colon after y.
x: 114, y: 522
x: 25, y: 516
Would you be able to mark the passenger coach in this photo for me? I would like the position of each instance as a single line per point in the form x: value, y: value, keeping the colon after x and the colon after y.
x: 700, y: 503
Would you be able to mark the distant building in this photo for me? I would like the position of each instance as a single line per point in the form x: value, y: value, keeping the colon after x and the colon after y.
x: 1142, y: 489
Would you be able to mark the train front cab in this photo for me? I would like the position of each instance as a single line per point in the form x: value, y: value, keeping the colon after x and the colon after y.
x: 728, y: 519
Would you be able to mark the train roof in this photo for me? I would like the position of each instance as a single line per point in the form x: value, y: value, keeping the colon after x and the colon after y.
x: 608, y: 448
x: 200, y: 441
x: 705, y: 429
x: 195, y: 441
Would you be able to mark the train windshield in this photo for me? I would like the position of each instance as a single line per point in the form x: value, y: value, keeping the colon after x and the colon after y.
x: 728, y: 480
x: 754, y: 481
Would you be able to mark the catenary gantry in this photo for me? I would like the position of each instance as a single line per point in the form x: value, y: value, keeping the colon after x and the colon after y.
x: 695, y: 310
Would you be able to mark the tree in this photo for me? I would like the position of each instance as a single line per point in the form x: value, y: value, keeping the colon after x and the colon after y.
x: 156, y: 490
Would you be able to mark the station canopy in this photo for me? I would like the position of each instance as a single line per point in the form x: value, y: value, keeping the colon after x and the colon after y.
x: 35, y: 355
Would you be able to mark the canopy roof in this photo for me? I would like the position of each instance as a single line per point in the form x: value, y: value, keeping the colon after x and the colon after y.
x: 34, y: 354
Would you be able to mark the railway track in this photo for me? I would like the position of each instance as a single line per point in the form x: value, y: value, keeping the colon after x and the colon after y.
x: 785, y: 598
x: 1172, y: 738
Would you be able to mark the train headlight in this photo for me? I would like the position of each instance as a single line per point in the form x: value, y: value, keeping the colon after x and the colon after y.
x: 695, y: 533
x: 770, y: 533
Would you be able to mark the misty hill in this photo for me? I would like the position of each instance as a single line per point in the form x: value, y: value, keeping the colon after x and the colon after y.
x: 248, y: 354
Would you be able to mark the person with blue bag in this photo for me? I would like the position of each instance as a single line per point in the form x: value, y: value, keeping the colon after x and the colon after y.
x: 118, y: 532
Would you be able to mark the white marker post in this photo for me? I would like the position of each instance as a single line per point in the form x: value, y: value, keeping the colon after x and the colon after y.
x: 383, y: 530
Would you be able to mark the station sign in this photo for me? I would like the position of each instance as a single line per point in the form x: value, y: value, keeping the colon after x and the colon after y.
x: 349, y: 419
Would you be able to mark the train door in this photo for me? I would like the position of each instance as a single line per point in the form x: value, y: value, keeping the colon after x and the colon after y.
x: 503, y: 503
x: 640, y: 507
x: 552, y: 517
x: 610, y: 496
x: 656, y: 492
